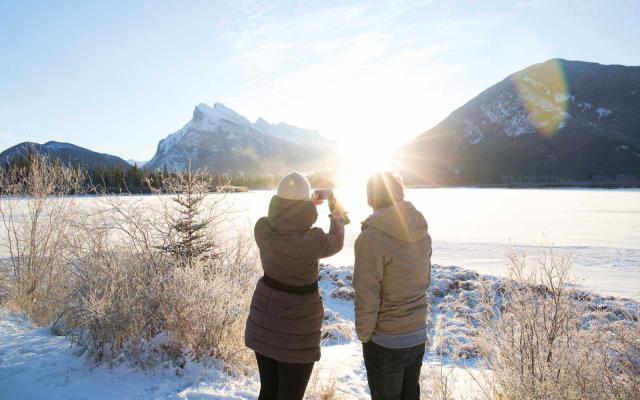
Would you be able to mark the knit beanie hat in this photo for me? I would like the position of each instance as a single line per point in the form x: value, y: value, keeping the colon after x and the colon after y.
x: 294, y: 186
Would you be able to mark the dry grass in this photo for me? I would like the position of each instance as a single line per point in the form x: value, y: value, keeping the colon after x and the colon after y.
x: 321, y: 390
x: 122, y: 298
x: 102, y: 274
x: 35, y: 215
x: 437, y: 383
x: 539, y: 341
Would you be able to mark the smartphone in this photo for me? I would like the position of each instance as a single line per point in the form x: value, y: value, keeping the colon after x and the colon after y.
x: 323, y: 194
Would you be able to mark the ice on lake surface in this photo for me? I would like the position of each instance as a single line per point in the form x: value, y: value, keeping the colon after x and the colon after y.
x: 478, y: 228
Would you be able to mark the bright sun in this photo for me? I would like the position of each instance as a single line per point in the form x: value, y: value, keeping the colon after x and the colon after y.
x: 358, y: 162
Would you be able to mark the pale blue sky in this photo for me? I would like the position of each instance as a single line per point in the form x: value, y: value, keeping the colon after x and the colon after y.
x: 118, y: 76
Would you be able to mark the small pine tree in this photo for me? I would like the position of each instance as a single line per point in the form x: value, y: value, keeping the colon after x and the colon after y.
x: 191, y: 244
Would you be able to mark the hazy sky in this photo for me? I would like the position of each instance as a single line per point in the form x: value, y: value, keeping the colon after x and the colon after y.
x: 117, y: 77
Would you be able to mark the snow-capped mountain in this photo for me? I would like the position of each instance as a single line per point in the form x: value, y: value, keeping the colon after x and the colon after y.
x: 304, y: 137
x: 558, y: 120
x: 66, y: 152
x: 220, y: 140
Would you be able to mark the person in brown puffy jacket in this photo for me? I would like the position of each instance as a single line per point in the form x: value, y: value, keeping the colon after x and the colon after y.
x: 392, y: 272
x: 283, y: 327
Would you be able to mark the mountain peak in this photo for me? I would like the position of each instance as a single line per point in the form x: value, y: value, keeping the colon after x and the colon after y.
x: 558, y: 119
x: 578, y: 66
x: 221, y: 107
x: 65, y: 152
x: 203, y: 114
x: 221, y: 140
x: 52, y: 144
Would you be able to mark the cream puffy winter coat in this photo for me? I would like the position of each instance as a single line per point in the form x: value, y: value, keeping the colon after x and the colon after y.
x: 392, y: 272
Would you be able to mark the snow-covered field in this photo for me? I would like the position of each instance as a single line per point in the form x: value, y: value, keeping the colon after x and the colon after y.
x: 479, y: 228
x: 34, y: 364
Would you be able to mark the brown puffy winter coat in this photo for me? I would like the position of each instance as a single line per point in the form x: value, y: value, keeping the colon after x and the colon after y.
x: 281, y: 325
x: 392, y: 272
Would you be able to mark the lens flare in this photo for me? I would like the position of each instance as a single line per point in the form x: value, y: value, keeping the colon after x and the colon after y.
x: 545, y: 96
x: 359, y: 161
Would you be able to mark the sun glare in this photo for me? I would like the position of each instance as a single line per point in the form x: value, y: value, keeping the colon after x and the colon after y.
x: 359, y: 162
x: 546, y: 105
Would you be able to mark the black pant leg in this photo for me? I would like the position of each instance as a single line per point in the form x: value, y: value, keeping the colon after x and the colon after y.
x: 293, y: 380
x: 385, y: 371
x: 411, y: 381
x: 268, y: 368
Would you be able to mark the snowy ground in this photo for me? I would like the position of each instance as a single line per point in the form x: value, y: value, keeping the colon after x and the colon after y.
x: 37, y: 365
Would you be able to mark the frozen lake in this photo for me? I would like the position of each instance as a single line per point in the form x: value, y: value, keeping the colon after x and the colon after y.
x: 478, y: 228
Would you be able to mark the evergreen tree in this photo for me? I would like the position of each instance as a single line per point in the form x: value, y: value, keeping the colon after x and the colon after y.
x: 192, y: 244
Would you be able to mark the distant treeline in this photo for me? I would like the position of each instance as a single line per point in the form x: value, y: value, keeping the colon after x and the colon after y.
x: 141, y: 180
x: 523, y: 181
x: 321, y: 179
x: 133, y: 179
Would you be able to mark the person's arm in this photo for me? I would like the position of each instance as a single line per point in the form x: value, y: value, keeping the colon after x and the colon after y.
x: 367, y: 277
x: 334, y: 239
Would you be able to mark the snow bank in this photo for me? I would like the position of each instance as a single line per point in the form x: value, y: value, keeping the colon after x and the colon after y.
x: 36, y: 364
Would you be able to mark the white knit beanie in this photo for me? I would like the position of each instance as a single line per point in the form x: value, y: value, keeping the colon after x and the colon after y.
x: 294, y: 186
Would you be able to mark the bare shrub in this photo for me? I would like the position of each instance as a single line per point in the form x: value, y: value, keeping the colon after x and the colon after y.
x: 207, y: 311
x: 120, y: 300
x: 437, y: 383
x: 35, y: 211
x: 111, y: 274
x: 114, y: 300
x: 536, y: 343
x: 128, y: 289
x: 322, y: 390
x: 620, y: 363
x: 5, y: 288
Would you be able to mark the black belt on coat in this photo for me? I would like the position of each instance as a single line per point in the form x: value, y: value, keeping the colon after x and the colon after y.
x: 283, y: 287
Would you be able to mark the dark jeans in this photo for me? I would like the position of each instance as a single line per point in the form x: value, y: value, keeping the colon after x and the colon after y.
x: 393, y: 374
x: 282, y: 381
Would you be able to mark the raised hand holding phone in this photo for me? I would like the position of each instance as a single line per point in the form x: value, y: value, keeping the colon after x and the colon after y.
x: 336, y: 208
x: 319, y: 195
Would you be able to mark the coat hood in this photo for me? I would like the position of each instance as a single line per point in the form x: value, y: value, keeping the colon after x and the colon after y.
x: 401, y: 221
x: 291, y: 215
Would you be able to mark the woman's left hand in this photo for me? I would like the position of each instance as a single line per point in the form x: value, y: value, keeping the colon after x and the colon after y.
x: 315, y: 199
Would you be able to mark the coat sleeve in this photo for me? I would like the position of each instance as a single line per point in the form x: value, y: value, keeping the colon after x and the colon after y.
x: 334, y: 240
x: 367, y: 276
